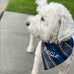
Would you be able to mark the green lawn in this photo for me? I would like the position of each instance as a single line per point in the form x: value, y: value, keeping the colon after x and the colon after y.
x: 29, y: 6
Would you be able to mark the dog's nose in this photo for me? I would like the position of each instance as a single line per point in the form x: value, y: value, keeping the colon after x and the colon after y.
x: 27, y: 23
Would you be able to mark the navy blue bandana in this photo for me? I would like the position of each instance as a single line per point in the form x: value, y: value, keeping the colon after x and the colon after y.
x: 55, y: 54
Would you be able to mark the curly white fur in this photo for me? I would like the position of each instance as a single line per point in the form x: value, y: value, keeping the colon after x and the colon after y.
x: 52, y: 23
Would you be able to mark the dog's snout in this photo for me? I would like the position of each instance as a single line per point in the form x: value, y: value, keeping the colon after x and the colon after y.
x: 27, y: 23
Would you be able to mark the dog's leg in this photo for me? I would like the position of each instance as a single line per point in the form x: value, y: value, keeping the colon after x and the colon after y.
x: 37, y: 60
x: 32, y: 44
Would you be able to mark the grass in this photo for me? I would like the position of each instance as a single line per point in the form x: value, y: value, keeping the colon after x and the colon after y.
x: 29, y: 6
x: 23, y: 6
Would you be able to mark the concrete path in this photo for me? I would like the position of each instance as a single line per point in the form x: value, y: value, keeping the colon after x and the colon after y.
x: 14, y: 41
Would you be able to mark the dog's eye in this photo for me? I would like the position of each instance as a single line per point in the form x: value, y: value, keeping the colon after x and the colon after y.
x: 42, y: 19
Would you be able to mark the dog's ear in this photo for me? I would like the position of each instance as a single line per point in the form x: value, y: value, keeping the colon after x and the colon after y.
x: 40, y: 4
x: 66, y: 23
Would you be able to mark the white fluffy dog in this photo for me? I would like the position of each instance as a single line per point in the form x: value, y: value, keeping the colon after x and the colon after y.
x: 52, y: 24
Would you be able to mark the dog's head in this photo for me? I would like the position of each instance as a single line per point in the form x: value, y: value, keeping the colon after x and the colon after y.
x: 52, y: 23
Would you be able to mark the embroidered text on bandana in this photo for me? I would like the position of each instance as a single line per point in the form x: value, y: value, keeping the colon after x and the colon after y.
x: 55, y: 54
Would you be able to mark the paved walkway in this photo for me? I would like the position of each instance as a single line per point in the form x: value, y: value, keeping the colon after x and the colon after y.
x: 14, y: 41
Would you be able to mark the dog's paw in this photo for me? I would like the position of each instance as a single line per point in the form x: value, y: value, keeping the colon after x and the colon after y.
x: 30, y: 50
